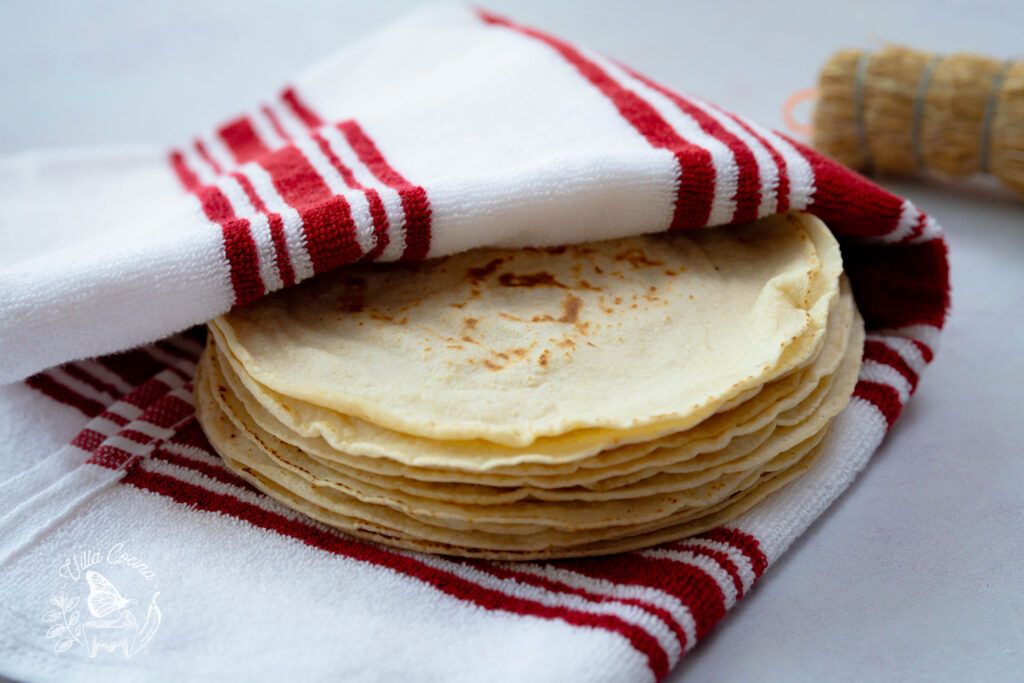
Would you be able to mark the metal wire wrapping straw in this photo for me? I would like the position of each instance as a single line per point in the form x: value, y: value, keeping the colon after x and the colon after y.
x: 900, y: 110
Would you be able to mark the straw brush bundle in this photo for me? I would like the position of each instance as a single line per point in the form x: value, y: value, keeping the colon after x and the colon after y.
x: 904, y: 111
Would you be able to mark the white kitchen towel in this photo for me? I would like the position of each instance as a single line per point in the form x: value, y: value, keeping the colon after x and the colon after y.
x: 127, y: 552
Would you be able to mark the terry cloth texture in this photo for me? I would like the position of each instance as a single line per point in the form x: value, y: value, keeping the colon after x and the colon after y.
x: 449, y: 130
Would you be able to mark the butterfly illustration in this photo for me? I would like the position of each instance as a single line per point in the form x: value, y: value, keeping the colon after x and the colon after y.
x: 104, y: 598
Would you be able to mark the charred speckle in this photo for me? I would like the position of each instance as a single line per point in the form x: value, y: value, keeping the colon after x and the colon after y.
x: 637, y: 258
x: 571, y: 309
x: 476, y: 275
x: 541, y: 279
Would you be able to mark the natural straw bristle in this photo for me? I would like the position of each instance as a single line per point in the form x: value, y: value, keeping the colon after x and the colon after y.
x: 900, y: 110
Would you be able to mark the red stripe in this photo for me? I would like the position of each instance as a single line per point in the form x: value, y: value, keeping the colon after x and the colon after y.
x: 135, y: 436
x: 167, y: 412
x: 723, y: 560
x: 272, y: 117
x: 881, y: 353
x: 446, y: 582
x: 690, y: 584
x: 926, y: 352
x: 377, y: 212
x: 241, y: 138
x: 345, y: 172
x: 170, y: 349
x: 239, y: 246
x: 882, y: 396
x: 82, y: 375
x: 88, y: 439
x: 201, y: 148
x: 276, y: 224
x: 146, y: 394
x: 743, y: 542
x: 191, y: 434
x: 380, y: 225
x: 748, y: 187
x: 186, y: 176
x: 900, y: 284
x: 505, y: 572
x: 112, y: 457
x: 918, y: 227
x: 326, y: 219
x: 302, y: 111
x: 697, y: 187
x: 119, y: 420
x: 415, y: 203
x: 62, y: 394
x: 782, y: 188
x: 137, y: 369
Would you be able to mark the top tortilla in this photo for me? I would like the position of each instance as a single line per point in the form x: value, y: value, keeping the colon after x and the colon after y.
x: 513, y: 345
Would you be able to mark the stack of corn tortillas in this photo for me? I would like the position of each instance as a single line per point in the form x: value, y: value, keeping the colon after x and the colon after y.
x: 536, y: 403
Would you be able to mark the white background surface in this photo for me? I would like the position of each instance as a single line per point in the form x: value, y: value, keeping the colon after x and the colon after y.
x: 917, y: 572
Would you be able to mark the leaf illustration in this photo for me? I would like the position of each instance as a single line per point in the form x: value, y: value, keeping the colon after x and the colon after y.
x: 73, y: 618
x: 55, y: 600
x: 51, y: 616
x: 56, y: 630
x: 63, y: 645
x: 72, y: 603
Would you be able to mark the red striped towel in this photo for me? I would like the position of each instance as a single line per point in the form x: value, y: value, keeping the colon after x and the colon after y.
x: 129, y: 552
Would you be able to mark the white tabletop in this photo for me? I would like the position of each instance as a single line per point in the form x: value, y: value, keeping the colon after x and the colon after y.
x: 917, y: 572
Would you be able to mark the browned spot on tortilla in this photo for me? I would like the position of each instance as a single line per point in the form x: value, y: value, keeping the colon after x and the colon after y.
x: 571, y: 309
x: 543, y: 360
x: 383, y: 317
x: 570, y: 314
x: 597, y: 269
x: 457, y: 347
x: 476, y: 275
x: 650, y: 295
x: 469, y: 340
x: 492, y: 366
x: 566, y: 343
x: 458, y: 305
x: 556, y: 250
x: 541, y: 279
x: 583, y: 284
x: 518, y: 352
x: 637, y: 258
x: 470, y: 323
